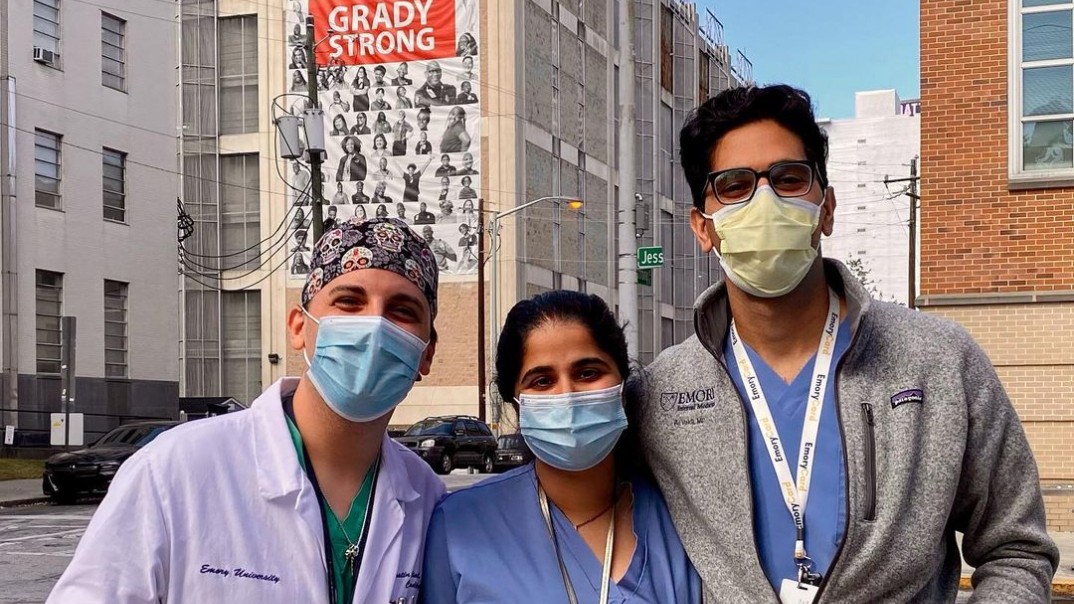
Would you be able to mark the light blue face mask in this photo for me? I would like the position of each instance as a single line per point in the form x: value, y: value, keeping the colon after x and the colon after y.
x: 363, y: 367
x: 573, y: 431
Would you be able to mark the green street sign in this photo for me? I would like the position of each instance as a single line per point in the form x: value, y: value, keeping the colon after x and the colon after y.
x: 650, y: 257
x: 645, y: 277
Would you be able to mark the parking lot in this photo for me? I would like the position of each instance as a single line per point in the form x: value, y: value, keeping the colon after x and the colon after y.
x: 37, y: 542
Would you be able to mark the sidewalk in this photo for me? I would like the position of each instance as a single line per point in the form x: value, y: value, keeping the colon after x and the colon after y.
x: 21, y: 492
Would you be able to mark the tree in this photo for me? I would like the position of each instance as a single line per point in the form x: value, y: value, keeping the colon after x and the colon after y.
x: 857, y: 265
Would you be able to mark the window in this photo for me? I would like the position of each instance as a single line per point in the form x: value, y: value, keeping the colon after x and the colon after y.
x: 238, y: 74
x: 667, y: 49
x: 1042, y: 99
x: 113, y: 55
x: 47, y: 169
x: 49, y: 310
x: 115, y: 329
x: 704, y: 67
x: 240, y: 210
x: 241, y: 322
x: 47, y: 25
x: 114, y: 185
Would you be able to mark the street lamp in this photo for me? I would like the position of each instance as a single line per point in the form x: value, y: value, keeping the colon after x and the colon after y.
x: 494, y: 315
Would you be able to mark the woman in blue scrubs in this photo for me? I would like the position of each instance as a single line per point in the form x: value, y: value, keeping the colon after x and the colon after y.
x: 584, y: 523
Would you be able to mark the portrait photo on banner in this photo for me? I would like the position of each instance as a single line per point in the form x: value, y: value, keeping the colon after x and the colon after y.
x: 398, y: 83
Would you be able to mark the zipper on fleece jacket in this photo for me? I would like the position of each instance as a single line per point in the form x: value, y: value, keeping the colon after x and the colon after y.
x: 870, y: 462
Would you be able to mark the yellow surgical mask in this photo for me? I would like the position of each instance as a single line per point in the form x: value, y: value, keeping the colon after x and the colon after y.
x: 766, y: 244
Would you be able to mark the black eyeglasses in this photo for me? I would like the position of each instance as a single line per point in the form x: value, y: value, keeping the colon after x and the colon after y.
x: 737, y: 185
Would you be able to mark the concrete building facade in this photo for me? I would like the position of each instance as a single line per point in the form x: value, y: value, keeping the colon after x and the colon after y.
x: 872, y: 218
x: 548, y: 89
x: 997, y: 191
x: 88, y: 160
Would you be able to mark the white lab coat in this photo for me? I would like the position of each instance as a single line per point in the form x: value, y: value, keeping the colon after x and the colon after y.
x: 220, y: 511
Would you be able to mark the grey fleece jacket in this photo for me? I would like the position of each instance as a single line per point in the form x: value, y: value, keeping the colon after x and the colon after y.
x: 932, y: 446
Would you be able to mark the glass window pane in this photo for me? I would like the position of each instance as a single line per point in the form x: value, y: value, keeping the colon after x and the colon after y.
x: 47, y: 10
x: 115, y: 214
x: 1047, y: 36
x: 231, y: 106
x: 1048, y: 90
x: 112, y: 81
x: 112, y: 158
x: 47, y: 170
x: 46, y: 25
x: 1048, y: 145
x: 1029, y: 3
x: 249, y: 107
x: 48, y: 336
x: 112, y: 54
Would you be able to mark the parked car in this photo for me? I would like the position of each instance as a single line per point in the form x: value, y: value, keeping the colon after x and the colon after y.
x: 90, y: 471
x: 452, y: 441
x: 512, y: 452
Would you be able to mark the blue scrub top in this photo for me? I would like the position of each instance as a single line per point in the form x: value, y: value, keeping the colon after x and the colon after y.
x: 490, y: 543
x: 825, y: 515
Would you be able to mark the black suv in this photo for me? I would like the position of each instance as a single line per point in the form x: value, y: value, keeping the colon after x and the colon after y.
x: 452, y: 441
x: 90, y: 471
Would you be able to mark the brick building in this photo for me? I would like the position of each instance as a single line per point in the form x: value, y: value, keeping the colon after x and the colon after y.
x: 997, y: 211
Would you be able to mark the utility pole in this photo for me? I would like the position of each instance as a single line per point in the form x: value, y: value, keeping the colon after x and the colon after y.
x: 628, y: 242
x: 9, y: 250
x: 915, y: 199
x: 316, y: 220
x: 481, y: 256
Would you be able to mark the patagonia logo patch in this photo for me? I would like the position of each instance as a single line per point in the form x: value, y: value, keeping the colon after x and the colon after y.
x: 908, y: 396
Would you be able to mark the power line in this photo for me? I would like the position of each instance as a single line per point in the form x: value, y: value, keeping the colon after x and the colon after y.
x: 246, y: 288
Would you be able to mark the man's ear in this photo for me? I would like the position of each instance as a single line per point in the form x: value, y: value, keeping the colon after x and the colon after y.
x: 703, y: 230
x: 296, y: 328
x: 427, y: 359
x: 827, y: 224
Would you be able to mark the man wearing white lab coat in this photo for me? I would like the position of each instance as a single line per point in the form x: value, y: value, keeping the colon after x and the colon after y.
x: 238, y: 509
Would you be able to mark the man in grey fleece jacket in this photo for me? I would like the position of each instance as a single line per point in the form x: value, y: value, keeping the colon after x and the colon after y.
x: 930, y: 444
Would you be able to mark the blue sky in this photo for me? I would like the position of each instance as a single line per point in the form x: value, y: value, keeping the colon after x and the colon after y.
x: 830, y: 48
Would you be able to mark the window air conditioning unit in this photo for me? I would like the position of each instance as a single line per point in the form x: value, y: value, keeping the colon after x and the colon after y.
x: 45, y: 56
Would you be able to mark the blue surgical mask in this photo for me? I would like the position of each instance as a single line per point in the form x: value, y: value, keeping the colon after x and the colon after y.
x: 363, y: 366
x: 573, y: 431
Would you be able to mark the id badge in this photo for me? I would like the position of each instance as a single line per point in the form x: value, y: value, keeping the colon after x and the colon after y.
x: 793, y: 592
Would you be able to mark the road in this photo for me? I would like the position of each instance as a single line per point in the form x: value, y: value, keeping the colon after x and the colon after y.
x: 37, y: 542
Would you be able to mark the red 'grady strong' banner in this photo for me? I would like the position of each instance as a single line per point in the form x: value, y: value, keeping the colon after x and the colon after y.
x: 358, y: 32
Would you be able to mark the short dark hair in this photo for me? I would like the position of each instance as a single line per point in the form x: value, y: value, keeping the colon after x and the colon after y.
x: 789, y: 107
